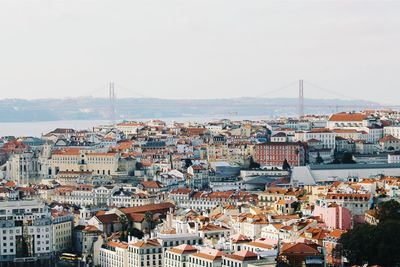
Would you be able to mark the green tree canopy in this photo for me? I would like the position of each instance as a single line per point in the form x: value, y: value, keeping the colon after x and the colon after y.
x: 347, y: 158
x: 389, y: 210
x: 136, y: 233
x: 286, y: 165
x: 319, y: 159
x: 375, y: 245
x: 253, y: 164
x: 357, y: 244
x: 188, y: 163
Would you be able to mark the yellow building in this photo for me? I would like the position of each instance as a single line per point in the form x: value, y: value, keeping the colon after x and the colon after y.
x: 62, y: 230
x: 75, y: 159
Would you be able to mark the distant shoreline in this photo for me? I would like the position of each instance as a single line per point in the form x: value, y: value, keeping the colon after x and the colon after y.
x: 37, y: 128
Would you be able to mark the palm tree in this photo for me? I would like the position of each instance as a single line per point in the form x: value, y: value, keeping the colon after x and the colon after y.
x: 123, y: 220
x: 148, y: 217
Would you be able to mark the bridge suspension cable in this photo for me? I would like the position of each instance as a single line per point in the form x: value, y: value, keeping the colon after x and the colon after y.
x: 323, y: 89
x: 279, y: 88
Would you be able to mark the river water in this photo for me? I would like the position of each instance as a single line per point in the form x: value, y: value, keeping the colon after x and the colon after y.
x: 43, y: 127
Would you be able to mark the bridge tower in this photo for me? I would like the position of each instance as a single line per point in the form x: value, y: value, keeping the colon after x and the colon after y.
x: 112, y: 102
x: 301, y: 98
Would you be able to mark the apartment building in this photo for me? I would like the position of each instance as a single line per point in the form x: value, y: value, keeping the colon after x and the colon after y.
x: 26, y: 230
x: 240, y: 258
x: 75, y: 159
x: 348, y: 121
x: 205, y: 257
x: 145, y: 253
x: 178, y: 256
x: 63, y: 223
x: 114, y: 254
x: 274, y: 154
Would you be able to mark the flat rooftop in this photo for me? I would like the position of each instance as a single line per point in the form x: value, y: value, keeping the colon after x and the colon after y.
x: 355, y: 166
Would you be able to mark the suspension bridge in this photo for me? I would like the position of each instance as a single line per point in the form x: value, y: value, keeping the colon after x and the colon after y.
x: 113, y: 103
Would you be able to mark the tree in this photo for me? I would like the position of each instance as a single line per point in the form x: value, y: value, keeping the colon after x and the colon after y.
x: 389, y: 210
x: 148, y: 217
x: 253, y: 164
x: 123, y: 220
x: 387, y: 244
x: 357, y: 244
x: 286, y: 165
x: 188, y: 163
x: 319, y: 159
x: 375, y: 245
x: 347, y: 158
x: 136, y: 233
x: 138, y: 166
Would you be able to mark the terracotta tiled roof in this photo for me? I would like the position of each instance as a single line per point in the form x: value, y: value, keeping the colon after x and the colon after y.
x: 181, y: 191
x: 183, y: 249
x: 238, y: 238
x: 91, y: 228
x: 243, y: 255
x: 118, y: 244
x: 212, y: 227
x: 299, y: 248
x: 337, y: 233
x: 67, y: 152
x: 388, y: 138
x: 149, y: 207
x: 260, y: 245
x: 10, y: 184
x: 209, y: 254
x: 152, y: 184
x: 320, y: 130
x: 348, y: 117
x: 108, y: 218
x: 148, y: 243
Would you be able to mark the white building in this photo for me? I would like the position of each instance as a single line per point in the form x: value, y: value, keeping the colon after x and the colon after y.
x: 178, y: 256
x: 146, y: 253
x: 129, y: 128
x: 324, y: 135
x: 392, y: 130
x: 114, y: 254
x: 22, y: 167
x: 394, y: 158
x: 26, y: 230
x: 206, y: 257
x: 345, y: 120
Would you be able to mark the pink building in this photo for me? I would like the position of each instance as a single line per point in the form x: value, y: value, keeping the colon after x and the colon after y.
x: 334, y: 216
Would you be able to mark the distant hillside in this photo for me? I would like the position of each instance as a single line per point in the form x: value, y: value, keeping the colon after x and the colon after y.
x: 19, y: 110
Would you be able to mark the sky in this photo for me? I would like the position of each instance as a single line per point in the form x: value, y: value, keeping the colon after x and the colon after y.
x: 200, y: 48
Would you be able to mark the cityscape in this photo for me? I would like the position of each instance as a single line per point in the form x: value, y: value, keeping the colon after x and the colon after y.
x: 278, y: 192
x: 212, y: 133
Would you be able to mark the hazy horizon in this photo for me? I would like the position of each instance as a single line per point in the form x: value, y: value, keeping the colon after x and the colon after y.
x: 200, y: 49
x: 181, y: 99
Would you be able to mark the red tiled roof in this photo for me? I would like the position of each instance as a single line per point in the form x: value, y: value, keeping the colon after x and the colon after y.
x: 209, y: 254
x: 118, y: 244
x: 348, y: 117
x: 149, y: 207
x: 183, y: 249
x: 152, y: 184
x: 108, y: 218
x: 299, y: 248
x: 148, y: 243
x: 243, y: 255
x: 388, y: 138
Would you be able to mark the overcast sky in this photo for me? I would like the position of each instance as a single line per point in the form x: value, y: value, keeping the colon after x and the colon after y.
x: 200, y: 49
